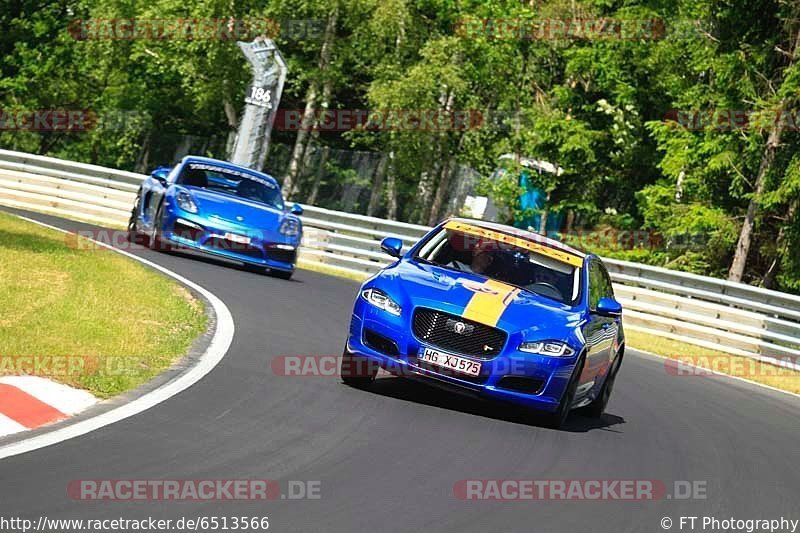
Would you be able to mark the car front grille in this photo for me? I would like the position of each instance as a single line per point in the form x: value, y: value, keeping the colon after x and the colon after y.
x: 239, y: 248
x: 459, y: 335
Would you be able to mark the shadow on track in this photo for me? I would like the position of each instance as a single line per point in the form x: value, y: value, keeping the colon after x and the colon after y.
x: 187, y: 253
x: 413, y: 391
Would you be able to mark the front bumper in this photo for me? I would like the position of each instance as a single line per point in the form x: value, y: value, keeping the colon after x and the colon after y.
x: 266, y: 249
x: 551, y: 374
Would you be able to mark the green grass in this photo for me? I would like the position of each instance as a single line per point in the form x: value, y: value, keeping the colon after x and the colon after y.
x: 117, y: 323
x: 732, y: 365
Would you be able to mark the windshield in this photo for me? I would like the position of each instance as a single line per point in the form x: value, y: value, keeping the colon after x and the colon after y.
x: 505, y: 262
x: 231, y: 182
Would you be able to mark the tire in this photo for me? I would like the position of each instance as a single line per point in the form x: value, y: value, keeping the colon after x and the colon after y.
x: 598, y: 406
x: 154, y: 241
x: 357, y: 371
x: 556, y: 420
x: 282, y: 274
x: 133, y: 233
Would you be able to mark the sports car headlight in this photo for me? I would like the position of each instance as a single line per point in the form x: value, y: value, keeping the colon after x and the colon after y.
x: 185, y: 202
x: 290, y: 227
x: 381, y: 300
x: 553, y: 348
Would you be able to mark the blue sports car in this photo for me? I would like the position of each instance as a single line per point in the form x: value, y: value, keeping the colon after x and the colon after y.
x: 221, y: 209
x: 494, y: 311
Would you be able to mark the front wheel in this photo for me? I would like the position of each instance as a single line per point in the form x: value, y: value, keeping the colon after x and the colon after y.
x: 154, y: 240
x: 556, y: 420
x: 357, y: 371
x: 598, y: 406
x: 133, y: 233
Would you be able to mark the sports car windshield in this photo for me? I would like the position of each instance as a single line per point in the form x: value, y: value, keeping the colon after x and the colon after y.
x: 239, y: 184
x: 505, y: 262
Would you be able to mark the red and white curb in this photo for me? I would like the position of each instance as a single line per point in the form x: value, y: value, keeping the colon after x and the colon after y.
x: 29, y: 402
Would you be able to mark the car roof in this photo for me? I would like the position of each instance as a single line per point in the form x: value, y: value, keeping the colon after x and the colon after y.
x: 228, y: 165
x: 522, y: 234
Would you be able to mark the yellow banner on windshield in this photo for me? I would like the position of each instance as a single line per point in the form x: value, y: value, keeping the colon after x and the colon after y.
x: 554, y: 253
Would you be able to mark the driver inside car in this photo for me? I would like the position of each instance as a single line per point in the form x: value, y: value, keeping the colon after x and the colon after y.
x: 249, y: 190
x: 482, y: 259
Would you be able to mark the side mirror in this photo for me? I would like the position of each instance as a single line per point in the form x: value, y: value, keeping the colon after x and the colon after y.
x: 160, y: 175
x: 296, y: 210
x: 608, y: 307
x: 392, y: 246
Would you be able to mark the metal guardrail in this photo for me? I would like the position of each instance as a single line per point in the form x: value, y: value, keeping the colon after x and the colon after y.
x: 731, y: 317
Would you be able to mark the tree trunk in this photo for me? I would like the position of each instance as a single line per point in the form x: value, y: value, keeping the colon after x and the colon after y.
x: 377, y: 187
x: 441, y: 191
x: 299, y: 150
x: 768, y: 281
x: 745, y: 236
x: 310, y: 111
x: 233, y: 122
x: 736, y: 273
x: 312, y: 198
x: 428, y: 179
x: 391, y: 189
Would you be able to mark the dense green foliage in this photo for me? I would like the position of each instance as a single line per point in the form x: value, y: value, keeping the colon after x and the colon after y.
x: 649, y: 130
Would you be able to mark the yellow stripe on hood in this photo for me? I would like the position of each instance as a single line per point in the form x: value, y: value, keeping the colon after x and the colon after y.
x: 489, y: 302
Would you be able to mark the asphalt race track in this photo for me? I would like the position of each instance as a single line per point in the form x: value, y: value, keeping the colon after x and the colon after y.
x: 387, y: 458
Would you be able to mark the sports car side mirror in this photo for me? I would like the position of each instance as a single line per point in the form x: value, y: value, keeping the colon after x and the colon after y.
x: 608, y: 307
x: 296, y: 210
x: 392, y: 246
x: 160, y: 175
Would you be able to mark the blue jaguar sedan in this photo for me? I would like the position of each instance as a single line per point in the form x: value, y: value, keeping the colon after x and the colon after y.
x: 221, y: 209
x: 493, y: 311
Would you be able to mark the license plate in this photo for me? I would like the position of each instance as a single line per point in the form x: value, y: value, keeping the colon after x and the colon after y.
x: 450, y: 361
x: 240, y: 239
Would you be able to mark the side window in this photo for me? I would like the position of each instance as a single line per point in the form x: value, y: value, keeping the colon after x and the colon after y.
x: 608, y: 289
x: 596, y: 284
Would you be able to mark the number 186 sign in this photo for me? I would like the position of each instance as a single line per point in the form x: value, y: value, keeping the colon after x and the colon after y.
x: 259, y: 96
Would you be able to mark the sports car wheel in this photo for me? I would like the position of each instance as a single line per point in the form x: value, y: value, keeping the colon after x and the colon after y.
x: 154, y: 241
x: 133, y: 233
x: 357, y: 371
x: 598, y: 406
x: 556, y: 420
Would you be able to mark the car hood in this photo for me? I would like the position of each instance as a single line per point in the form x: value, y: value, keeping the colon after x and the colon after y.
x: 415, y: 284
x: 237, y: 211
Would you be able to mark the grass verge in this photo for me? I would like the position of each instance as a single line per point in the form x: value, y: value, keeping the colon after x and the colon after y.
x: 89, y: 318
x: 732, y: 365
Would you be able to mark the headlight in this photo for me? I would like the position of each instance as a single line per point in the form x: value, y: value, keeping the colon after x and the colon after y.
x: 290, y: 227
x: 185, y: 202
x: 380, y: 300
x: 553, y: 348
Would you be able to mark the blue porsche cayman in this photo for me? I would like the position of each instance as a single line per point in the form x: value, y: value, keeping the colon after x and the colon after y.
x: 221, y: 209
x: 495, y: 311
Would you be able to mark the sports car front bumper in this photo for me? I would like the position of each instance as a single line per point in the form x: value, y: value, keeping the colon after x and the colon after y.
x: 246, y: 245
